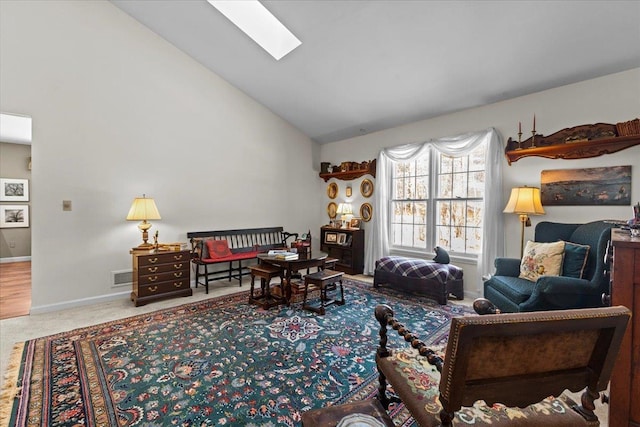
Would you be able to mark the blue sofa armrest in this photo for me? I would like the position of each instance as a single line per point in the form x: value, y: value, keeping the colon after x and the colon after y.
x: 507, y: 267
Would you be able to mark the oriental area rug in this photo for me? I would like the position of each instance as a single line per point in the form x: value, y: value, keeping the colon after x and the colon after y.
x: 219, y: 361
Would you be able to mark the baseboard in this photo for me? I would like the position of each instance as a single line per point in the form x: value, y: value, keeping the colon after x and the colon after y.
x: 80, y: 302
x: 85, y: 301
x: 15, y: 259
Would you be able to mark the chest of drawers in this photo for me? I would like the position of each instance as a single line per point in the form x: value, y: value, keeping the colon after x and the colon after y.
x: 160, y: 275
x: 624, y: 406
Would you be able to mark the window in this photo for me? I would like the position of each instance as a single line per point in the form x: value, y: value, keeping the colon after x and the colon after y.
x: 438, y: 200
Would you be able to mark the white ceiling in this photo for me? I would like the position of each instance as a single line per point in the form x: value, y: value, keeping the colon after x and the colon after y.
x: 364, y: 66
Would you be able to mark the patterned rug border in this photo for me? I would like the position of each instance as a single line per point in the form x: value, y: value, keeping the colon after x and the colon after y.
x: 12, y: 389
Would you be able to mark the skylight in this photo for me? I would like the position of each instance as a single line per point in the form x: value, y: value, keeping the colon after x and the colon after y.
x: 16, y: 129
x: 259, y: 24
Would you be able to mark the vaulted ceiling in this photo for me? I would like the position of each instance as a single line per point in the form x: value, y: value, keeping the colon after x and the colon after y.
x: 364, y: 66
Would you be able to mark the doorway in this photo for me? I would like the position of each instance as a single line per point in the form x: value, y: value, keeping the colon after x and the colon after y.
x: 15, y: 218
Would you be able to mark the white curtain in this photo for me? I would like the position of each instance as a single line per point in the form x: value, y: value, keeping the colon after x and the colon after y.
x: 493, y: 234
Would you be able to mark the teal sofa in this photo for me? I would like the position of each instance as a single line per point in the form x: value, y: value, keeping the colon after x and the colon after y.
x: 512, y: 294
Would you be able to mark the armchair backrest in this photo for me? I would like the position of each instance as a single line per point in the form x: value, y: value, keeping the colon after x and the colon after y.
x: 521, y: 358
x: 547, y: 232
x: 596, y: 234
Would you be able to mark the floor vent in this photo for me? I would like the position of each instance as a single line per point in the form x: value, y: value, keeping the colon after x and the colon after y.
x: 121, y: 278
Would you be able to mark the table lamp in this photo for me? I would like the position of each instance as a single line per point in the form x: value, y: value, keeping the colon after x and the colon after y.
x: 142, y: 209
x: 524, y: 201
x: 346, y: 212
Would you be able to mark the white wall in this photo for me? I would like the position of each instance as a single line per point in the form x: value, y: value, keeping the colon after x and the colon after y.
x: 118, y: 112
x: 608, y: 99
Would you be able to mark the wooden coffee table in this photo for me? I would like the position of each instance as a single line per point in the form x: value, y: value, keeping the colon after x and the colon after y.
x: 331, y: 416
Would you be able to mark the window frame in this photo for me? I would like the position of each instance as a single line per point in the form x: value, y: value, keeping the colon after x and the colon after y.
x: 434, y: 173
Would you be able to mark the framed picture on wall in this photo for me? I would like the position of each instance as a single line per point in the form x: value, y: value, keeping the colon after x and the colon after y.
x: 583, y: 187
x: 332, y: 190
x: 366, y: 187
x: 14, y: 190
x: 14, y: 216
x: 366, y: 212
x: 331, y: 237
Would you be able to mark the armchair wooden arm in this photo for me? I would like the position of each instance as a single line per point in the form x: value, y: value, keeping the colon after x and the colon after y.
x: 513, y: 359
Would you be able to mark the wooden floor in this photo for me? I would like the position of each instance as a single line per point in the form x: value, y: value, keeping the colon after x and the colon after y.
x: 15, y: 289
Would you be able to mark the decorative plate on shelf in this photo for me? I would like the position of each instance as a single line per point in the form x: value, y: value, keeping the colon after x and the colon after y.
x: 366, y: 212
x: 332, y: 210
x: 332, y: 190
x: 366, y: 187
x: 359, y: 420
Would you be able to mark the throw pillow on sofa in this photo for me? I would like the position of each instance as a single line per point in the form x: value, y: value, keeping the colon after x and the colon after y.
x: 541, y: 259
x: 218, y: 248
x: 575, y: 259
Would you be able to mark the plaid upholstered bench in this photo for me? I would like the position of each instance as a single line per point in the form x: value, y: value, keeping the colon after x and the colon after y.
x: 428, y: 278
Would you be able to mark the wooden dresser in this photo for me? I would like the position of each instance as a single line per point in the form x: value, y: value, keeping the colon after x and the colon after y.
x: 160, y: 275
x: 624, y: 406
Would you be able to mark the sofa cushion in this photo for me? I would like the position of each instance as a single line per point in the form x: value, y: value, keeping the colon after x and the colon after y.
x: 541, y: 259
x: 515, y: 289
x: 575, y: 259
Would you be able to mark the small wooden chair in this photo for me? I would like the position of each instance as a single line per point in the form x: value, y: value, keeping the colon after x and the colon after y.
x: 517, y: 360
x: 265, y: 272
x: 324, y: 280
x: 329, y: 263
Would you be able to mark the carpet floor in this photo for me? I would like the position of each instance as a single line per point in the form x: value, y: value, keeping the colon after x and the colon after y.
x: 213, y: 362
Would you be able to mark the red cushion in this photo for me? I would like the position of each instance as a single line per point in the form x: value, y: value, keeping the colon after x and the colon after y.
x: 218, y: 248
x: 232, y: 257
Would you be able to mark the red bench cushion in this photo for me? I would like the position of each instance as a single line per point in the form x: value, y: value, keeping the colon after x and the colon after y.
x: 232, y: 257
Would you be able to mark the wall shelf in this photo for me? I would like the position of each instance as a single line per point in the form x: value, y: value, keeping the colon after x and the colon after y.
x: 364, y: 168
x: 579, y: 142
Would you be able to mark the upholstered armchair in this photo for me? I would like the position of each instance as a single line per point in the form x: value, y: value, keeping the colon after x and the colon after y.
x: 579, y: 284
x: 500, y: 369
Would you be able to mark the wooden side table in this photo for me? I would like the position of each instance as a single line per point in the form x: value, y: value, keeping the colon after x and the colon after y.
x: 331, y: 416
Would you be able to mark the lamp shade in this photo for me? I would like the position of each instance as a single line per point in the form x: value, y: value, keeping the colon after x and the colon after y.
x: 525, y: 200
x: 142, y: 209
x: 345, y: 209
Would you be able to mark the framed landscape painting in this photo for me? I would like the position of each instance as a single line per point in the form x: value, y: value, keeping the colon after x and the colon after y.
x: 582, y: 187
x: 14, y: 190
x: 14, y: 216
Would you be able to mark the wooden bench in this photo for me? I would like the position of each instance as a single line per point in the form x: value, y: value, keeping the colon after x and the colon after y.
x: 241, y: 245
